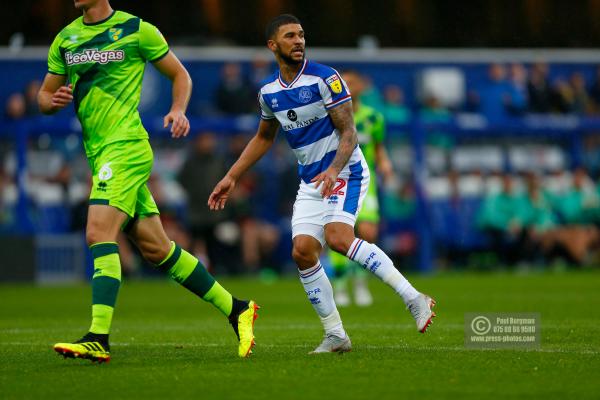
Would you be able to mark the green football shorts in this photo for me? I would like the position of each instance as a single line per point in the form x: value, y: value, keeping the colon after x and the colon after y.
x: 120, y: 173
x: 369, y: 212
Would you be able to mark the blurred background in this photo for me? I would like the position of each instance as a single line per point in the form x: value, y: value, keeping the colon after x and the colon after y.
x: 492, y: 123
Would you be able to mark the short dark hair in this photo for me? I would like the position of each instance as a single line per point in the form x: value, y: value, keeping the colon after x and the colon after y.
x: 278, y: 21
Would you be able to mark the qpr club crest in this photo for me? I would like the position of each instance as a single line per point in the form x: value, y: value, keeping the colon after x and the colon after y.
x: 305, y: 95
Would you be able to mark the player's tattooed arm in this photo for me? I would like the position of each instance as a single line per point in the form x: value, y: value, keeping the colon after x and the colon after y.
x: 343, y: 120
x: 255, y: 149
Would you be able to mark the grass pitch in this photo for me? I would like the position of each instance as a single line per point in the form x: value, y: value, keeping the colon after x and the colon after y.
x: 168, y: 344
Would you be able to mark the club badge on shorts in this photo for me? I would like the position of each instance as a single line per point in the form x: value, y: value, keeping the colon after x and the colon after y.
x: 334, y: 83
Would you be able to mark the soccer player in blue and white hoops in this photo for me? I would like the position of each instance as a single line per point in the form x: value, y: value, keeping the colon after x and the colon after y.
x: 311, y: 103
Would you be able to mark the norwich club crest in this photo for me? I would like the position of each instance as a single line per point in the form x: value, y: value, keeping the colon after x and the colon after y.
x: 115, y: 34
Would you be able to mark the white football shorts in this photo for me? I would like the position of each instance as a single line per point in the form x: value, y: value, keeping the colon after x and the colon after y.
x: 312, y: 212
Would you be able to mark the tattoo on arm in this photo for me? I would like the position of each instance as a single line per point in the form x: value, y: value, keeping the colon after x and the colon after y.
x: 268, y: 128
x: 343, y: 120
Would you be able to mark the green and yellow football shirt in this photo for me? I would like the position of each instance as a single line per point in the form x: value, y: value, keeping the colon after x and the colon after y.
x: 370, y: 127
x: 105, y: 62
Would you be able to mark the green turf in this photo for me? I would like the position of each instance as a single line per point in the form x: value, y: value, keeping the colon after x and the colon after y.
x: 168, y: 344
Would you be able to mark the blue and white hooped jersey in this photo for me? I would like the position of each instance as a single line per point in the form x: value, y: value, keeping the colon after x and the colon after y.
x: 301, y: 109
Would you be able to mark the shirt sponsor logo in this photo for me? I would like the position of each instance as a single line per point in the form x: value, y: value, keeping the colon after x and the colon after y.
x: 298, y: 124
x: 94, y: 56
x: 334, y: 83
x: 292, y: 116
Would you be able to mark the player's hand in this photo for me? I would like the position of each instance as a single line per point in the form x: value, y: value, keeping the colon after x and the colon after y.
x: 220, y: 194
x: 327, y: 179
x: 62, y: 97
x: 180, y: 126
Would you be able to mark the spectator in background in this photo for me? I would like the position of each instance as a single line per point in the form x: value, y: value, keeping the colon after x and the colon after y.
x: 15, y: 107
x: 371, y: 96
x: 201, y: 170
x: 494, y: 95
x: 31, y: 92
x: 562, y: 96
x: 538, y: 89
x: 235, y: 94
x: 572, y: 241
x: 517, y: 100
x: 580, y: 204
x: 433, y: 112
x: 394, y: 110
x: 595, y: 91
x: 261, y: 69
x: 582, y: 103
x: 503, y: 217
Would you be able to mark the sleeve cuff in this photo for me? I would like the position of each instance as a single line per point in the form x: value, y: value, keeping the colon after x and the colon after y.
x: 160, y: 57
x: 56, y: 73
x: 336, y: 103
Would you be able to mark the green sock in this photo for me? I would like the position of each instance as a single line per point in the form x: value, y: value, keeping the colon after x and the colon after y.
x: 105, y: 285
x: 190, y: 273
x: 341, y: 266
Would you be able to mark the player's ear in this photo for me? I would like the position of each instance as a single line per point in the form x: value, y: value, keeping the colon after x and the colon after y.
x: 271, y: 45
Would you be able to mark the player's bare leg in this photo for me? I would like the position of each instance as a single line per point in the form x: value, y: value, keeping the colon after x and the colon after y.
x: 149, y: 236
x: 340, y: 238
x: 320, y: 293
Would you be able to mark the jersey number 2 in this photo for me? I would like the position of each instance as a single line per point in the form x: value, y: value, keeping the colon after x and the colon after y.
x: 340, y: 183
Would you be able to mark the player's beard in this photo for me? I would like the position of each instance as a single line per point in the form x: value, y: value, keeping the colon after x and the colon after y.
x: 289, y: 60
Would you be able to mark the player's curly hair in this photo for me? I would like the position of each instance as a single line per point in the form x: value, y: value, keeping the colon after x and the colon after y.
x: 278, y: 21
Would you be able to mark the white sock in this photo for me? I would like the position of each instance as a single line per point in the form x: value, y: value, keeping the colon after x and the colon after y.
x: 373, y: 259
x: 320, y: 294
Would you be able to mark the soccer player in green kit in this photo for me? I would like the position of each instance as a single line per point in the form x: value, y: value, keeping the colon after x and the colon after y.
x: 97, y: 62
x: 370, y: 128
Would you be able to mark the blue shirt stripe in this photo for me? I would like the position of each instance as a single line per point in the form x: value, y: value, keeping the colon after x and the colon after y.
x: 309, y: 134
x: 293, y: 98
x: 307, y: 172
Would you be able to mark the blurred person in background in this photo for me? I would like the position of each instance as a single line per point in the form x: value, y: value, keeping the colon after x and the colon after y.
x: 582, y: 103
x: 549, y: 239
x: 370, y: 128
x: 31, y: 91
x: 517, y: 100
x: 15, y: 108
x: 201, y: 170
x: 494, y: 93
x: 434, y: 112
x: 538, y: 89
x: 372, y: 96
x: 580, y: 204
x: 503, y: 216
x: 595, y: 91
x: 394, y: 109
x: 235, y: 93
x: 563, y: 97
